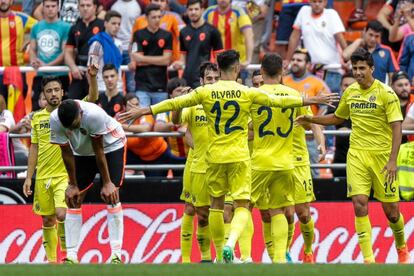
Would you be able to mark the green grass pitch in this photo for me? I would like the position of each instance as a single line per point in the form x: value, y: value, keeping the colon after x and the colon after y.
x: 209, y: 269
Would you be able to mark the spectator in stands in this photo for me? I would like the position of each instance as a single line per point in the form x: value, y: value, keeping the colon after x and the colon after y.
x: 401, y: 85
x: 236, y: 30
x: 406, y: 57
x: 287, y: 16
x: 408, y: 123
x: 198, y: 41
x: 8, y: 124
x: 105, y: 48
x: 388, y: 15
x: 112, y: 99
x: 47, y: 40
x: 14, y: 26
x: 321, y: 29
x: 151, y: 52
x: 385, y: 62
x: 69, y: 11
x: 257, y: 11
x: 148, y: 150
x: 257, y: 79
x: 77, y: 47
x: 163, y: 121
x: 170, y: 21
x: 342, y: 142
x: 130, y: 10
x: 309, y: 85
x: 397, y: 32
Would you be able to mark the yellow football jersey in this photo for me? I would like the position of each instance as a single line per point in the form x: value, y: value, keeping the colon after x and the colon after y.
x: 300, y: 149
x: 196, y: 121
x: 273, y: 136
x: 227, y: 106
x: 371, y: 112
x: 49, y: 159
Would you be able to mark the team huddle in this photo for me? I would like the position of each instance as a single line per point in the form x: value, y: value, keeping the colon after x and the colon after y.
x: 248, y: 150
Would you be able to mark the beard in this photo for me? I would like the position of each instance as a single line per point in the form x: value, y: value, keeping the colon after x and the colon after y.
x: 4, y: 8
x: 404, y: 95
x: 196, y: 20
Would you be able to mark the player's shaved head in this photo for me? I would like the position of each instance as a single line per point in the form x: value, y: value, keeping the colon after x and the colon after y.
x: 272, y: 65
x: 228, y: 59
x: 68, y: 111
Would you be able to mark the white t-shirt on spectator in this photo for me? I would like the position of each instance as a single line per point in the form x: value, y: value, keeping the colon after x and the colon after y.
x: 94, y: 122
x: 130, y: 10
x: 97, y: 49
x: 7, y: 120
x: 318, y: 35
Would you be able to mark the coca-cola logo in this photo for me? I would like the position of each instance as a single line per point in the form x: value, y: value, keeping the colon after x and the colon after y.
x: 145, y: 239
x: 152, y: 235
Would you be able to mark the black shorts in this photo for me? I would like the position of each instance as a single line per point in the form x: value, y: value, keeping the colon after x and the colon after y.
x: 86, y: 168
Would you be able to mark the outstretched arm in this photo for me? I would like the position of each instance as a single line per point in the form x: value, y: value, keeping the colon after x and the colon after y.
x: 93, y: 92
x: 190, y: 99
x: 324, y: 120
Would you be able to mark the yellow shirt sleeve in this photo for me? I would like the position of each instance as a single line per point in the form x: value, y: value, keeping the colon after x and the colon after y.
x: 190, y: 99
x: 186, y: 115
x: 34, y: 138
x: 262, y: 98
x: 304, y: 110
x: 343, y: 109
x: 244, y: 20
x: 393, y: 109
x: 29, y: 24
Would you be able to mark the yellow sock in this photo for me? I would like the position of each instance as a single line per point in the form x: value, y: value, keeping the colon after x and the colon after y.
x: 291, y: 231
x: 245, y: 240
x: 279, y: 237
x: 398, y: 230
x: 308, y: 234
x: 61, y: 235
x: 238, y: 224
x: 186, y: 237
x: 267, y: 237
x: 50, y: 243
x: 203, y: 238
x: 216, y: 225
x: 227, y: 227
x: 363, y: 229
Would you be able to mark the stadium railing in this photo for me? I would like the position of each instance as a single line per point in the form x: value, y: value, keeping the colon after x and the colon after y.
x: 181, y: 167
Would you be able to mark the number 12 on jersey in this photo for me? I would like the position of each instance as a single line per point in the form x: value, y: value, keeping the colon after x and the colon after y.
x: 217, y: 109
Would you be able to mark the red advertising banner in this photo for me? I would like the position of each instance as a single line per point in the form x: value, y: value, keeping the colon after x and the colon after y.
x: 152, y: 234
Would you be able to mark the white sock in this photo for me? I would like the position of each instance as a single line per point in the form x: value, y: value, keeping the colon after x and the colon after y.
x: 115, y: 228
x: 73, y: 225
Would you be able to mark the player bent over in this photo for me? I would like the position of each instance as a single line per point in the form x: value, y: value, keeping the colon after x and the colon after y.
x: 374, y: 110
x: 91, y: 142
x: 51, y: 175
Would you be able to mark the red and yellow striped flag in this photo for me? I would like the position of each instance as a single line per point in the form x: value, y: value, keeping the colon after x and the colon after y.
x: 12, y: 77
